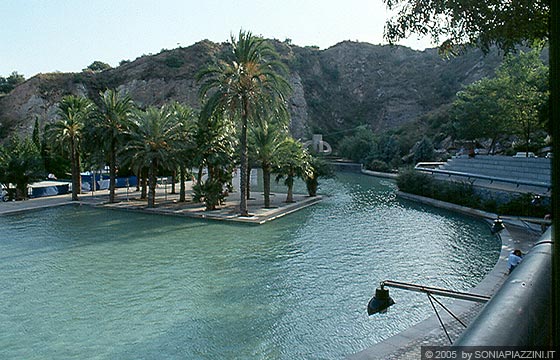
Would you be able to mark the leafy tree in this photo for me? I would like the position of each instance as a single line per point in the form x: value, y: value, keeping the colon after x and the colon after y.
x: 512, y: 102
x: 242, y: 86
x: 20, y: 164
x: 66, y: 134
x: 215, y: 144
x: 293, y: 161
x: 424, y: 150
x: 358, y: 147
x: 525, y: 93
x: 36, y: 136
x: 97, y: 66
x: 112, y: 123
x: 479, y: 22
x: 389, y: 150
x: 9, y: 83
x: 477, y: 111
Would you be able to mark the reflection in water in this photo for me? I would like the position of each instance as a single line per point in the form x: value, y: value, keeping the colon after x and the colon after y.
x: 92, y: 283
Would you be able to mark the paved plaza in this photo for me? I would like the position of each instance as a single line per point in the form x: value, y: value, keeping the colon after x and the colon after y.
x: 167, y: 203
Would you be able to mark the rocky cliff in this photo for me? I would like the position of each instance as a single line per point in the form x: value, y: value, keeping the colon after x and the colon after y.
x: 334, y: 90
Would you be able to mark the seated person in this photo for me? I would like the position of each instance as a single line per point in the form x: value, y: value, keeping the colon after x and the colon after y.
x: 514, y: 259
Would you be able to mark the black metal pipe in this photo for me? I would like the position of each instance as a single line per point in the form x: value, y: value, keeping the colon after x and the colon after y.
x: 519, y: 314
x: 436, y: 291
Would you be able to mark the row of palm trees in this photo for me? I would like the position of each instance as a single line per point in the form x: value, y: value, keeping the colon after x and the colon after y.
x: 244, y: 111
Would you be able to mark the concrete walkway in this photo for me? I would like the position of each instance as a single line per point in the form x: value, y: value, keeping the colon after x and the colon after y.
x: 168, y: 204
x: 519, y: 234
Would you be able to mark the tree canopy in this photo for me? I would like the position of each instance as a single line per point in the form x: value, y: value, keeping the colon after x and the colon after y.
x: 9, y: 83
x: 97, y: 66
x: 511, y: 103
x: 482, y: 23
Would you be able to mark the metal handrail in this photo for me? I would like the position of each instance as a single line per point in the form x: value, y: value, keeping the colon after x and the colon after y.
x: 486, y: 177
x: 519, y: 314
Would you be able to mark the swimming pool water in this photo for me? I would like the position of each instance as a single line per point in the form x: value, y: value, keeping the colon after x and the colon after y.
x: 88, y: 283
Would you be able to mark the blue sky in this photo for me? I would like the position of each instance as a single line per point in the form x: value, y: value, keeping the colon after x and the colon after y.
x: 68, y: 35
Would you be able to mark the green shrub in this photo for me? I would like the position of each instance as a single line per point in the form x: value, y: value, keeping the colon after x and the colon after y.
x: 414, y: 182
x: 210, y: 192
x: 490, y: 205
x: 422, y: 184
x: 525, y: 205
x: 463, y: 194
x: 378, y: 165
x: 174, y: 62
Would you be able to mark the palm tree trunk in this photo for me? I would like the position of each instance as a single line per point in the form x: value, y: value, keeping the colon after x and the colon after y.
x: 248, y: 181
x: 144, y: 174
x: 112, y: 172
x: 266, y: 184
x: 182, y: 189
x: 244, y: 163
x: 290, y: 196
x: 75, y: 164
x: 528, y: 138
x: 153, y: 180
x: 199, y: 175
x: 290, y: 183
x: 21, y: 190
x: 138, y: 179
x: 492, y: 149
x: 173, y: 177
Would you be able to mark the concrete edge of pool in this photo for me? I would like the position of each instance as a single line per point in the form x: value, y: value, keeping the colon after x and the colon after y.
x: 258, y: 214
x: 407, y: 344
x: 167, y: 204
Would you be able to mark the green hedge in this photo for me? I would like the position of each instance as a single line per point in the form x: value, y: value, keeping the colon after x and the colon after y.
x: 415, y: 182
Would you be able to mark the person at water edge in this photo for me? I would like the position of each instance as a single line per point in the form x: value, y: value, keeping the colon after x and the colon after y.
x: 514, y: 259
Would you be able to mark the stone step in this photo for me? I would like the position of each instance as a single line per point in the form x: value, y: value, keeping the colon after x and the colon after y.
x: 528, y: 169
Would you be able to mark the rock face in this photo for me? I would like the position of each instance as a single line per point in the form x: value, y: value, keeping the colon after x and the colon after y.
x: 333, y: 90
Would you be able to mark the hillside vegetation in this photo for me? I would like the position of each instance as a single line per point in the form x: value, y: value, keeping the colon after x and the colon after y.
x: 335, y: 90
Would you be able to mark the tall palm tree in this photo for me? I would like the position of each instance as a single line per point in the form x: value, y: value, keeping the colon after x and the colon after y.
x: 113, y: 122
x: 266, y: 137
x: 243, y: 85
x: 153, y: 143
x: 186, y: 117
x: 67, y: 133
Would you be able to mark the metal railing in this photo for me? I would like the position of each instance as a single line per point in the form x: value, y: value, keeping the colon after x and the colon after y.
x: 519, y: 314
x: 486, y: 177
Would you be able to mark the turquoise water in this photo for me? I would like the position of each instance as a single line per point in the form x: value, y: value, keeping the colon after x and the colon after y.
x: 85, y: 283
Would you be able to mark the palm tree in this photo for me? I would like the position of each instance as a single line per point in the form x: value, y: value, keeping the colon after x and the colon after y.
x: 266, y: 138
x: 186, y: 117
x: 66, y: 134
x: 243, y: 85
x: 113, y: 122
x: 319, y: 168
x: 293, y: 161
x: 152, y: 144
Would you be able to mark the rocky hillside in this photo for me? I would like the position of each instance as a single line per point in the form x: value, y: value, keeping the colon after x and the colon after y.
x: 334, y: 90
